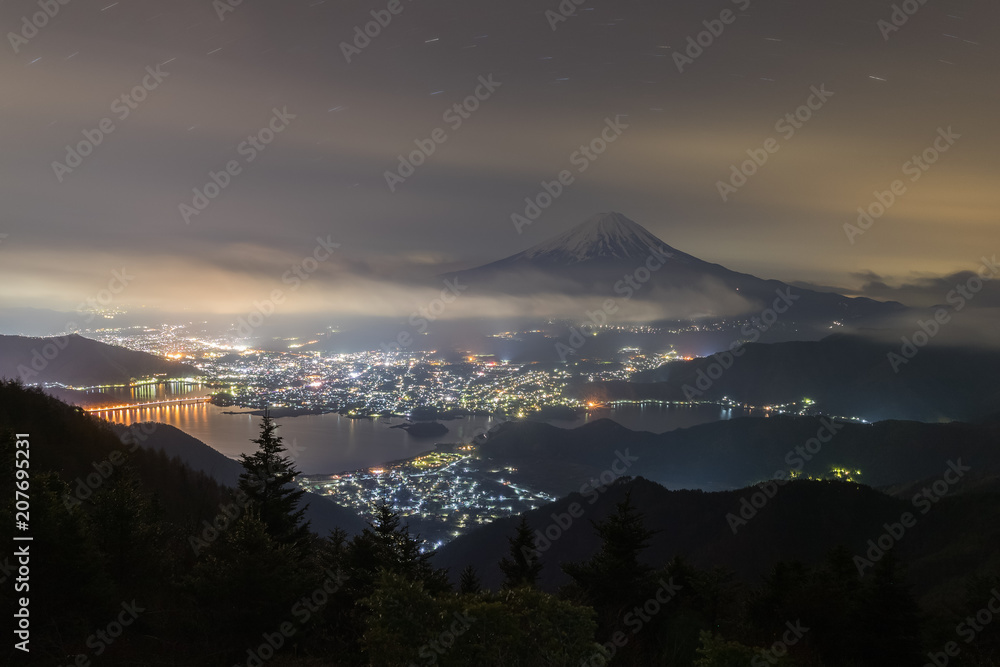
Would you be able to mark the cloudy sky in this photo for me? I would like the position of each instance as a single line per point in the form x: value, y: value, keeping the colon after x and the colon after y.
x: 223, y: 70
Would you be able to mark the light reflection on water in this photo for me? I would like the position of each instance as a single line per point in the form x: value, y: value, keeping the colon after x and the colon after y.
x: 333, y: 443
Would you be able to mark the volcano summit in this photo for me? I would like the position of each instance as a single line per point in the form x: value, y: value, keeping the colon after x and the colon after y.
x: 591, y: 259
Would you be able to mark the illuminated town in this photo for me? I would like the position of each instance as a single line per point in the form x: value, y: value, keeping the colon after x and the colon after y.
x: 442, y: 494
x: 375, y: 383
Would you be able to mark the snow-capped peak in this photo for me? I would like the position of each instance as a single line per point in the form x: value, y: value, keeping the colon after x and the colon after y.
x: 603, y: 236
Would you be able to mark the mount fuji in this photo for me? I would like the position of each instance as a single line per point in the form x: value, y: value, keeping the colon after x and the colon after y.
x: 592, y: 258
x: 603, y: 237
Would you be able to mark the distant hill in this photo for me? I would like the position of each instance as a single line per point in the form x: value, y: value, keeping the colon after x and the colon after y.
x: 193, y: 452
x: 732, y: 454
x: 323, y: 514
x: 77, y: 446
x: 845, y: 375
x: 80, y: 361
x: 184, y: 472
x: 802, y: 522
x: 111, y: 522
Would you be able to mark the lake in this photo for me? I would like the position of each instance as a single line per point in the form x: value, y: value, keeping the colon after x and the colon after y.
x: 332, y: 443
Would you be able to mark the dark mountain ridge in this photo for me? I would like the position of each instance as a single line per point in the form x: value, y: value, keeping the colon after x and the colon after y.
x: 803, y: 521
x: 731, y: 454
x: 849, y: 375
x: 75, y: 360
x: 323, y: 514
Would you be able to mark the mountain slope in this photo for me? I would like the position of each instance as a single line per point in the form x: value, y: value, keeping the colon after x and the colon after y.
x: 75, y: 360
x: 802, y: 522
x: 593, y: 259
x: 81, y: 450
x: 846, y: 375
x: 731, y: 454
x: 322, y: 513
x: 603, y: 237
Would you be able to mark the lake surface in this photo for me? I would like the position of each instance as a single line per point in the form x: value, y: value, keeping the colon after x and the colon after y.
x: 153, y: 391
x: 333, y: 443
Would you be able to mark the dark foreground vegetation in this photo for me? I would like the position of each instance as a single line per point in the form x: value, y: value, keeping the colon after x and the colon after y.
x: 138, y: 560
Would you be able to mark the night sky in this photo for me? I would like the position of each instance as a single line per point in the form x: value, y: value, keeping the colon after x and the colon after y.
x: 220, y: 80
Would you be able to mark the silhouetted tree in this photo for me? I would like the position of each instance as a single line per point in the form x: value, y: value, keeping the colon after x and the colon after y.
x: 613, y: 581
x: 268, y: 481
x: 523, y: 566
x: 469, y: 583
x: 244, y: 584
x: 126, y: 524
x: 71, y: 588
x: 385, y: 549
x: 408, y: 626
x: 888, y: 621
x: 387, y: 544
x: 614, y: 575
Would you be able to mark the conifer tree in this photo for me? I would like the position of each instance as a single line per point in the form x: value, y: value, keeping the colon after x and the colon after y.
x: 388, y: 545
x: 469, y: 583
x: 614, y: 572
x: 523, y: 566
x: 268, y: 480
x: 613, y: 581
